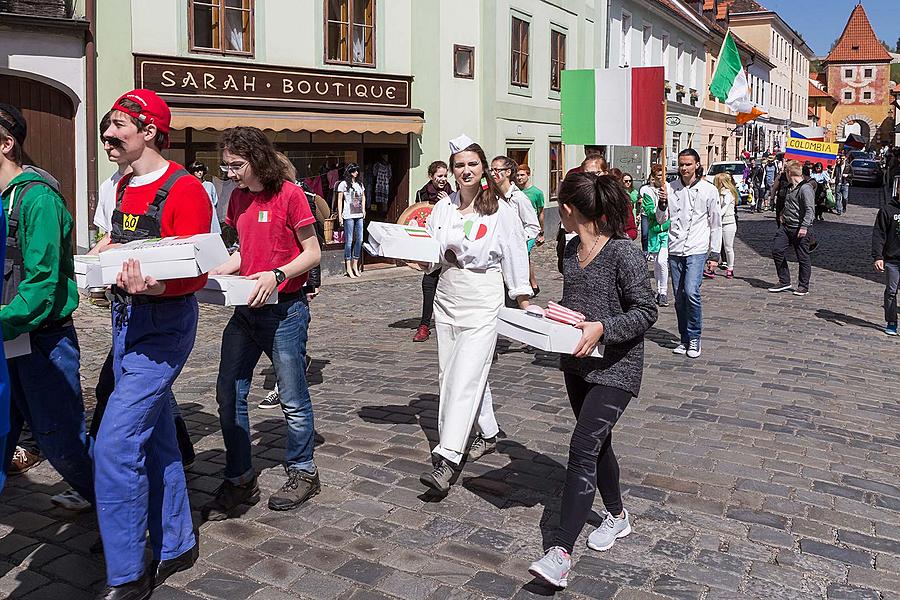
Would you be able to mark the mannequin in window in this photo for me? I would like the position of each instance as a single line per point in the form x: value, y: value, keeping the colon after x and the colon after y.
x: 382, y: 173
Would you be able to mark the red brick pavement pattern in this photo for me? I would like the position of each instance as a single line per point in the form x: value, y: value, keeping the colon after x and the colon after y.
x: 768, y: 467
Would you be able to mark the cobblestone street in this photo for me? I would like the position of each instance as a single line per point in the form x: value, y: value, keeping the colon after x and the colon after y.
x: 767, y: 468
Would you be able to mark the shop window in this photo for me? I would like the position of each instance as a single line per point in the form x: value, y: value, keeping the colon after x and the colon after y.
x: 350, y: 32
x: 221, y: 26
x: 463, y: 62
x: 557, y: 58
x: 519, y: 53
x: 557, y: 164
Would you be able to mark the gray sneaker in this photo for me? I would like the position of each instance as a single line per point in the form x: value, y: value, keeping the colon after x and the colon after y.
x: 693, y: 350
x: 481, y: 446
x: 609, y: 531
x: 554, y: 567
x: 439, y: 478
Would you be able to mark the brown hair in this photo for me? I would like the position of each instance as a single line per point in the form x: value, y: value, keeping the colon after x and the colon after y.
x: 617, y: 174
x: 433, y: 167
x: 656, y: 170
x: 601, y: 198
x: 16, y: 154
x: 252, y: 145
x: 486, y: 201
x: 604, y: 166
x: 160, y: 140
x: 289, y: 169
x: 525, y: 168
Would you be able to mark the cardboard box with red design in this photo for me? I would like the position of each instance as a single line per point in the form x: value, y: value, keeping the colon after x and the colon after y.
x: 167, y: 258
x: 403, y: 242
x: 540, y: 332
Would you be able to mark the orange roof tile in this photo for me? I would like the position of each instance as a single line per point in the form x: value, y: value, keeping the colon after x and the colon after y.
x: 858, y: 42
x: 815, y: 92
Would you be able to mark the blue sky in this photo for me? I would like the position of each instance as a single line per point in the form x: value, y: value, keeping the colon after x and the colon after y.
x: 822, y: 21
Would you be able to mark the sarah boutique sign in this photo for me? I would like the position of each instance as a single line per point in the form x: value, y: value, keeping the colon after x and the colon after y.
x: 192, y: 79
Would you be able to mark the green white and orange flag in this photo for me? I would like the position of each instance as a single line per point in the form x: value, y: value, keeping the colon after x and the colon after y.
x: 729, y: 83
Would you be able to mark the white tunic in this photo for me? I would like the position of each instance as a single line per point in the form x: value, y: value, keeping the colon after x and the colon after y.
x: 483, y: 242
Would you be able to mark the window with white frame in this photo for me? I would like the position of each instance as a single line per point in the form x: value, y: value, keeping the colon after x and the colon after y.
x: 647, y: 46
x: 867, y: 73
x: 679, y: 63
x: 692, y: 70
x: 625, y: 42
x: 848, y: 73
x: 665, y: 54
x: 676, y: 143
x: 848, y: 95
x: 867, y: 95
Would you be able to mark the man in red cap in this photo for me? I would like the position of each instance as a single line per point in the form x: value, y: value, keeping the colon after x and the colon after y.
x: 139, y: 479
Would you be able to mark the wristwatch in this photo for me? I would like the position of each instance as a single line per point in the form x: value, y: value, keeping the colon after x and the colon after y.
x: 279, y: 276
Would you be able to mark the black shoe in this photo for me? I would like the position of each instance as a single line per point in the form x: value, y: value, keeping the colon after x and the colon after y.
x: 167, y: 568
x: 299, y: 488
x: 228, y: 498
x: 133, y: 590
x: 535, y: 291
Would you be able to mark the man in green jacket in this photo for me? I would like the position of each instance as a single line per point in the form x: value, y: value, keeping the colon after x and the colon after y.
x: 39, y: 296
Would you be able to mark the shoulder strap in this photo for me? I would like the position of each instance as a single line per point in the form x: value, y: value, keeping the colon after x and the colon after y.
x: 12, y: 222
x: 123, y: 185
x: 163, y: 192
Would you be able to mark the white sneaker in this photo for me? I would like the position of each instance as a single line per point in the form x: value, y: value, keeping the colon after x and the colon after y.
x: 554, y: 567
x: 71, y: 500
x: 679, y: 349
x: 693, y: 350
x: 609, y: 531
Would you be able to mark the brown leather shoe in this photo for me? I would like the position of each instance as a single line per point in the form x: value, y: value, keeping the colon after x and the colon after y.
x: 22, y: 461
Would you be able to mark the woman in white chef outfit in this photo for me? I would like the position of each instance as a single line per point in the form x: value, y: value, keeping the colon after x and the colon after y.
x: 483, y: 246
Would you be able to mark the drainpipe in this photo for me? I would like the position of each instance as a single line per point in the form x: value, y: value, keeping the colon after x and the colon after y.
x: 90, y: 53
x: 608, y: 30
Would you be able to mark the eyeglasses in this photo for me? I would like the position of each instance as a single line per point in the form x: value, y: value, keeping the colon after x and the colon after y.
x: 627, y: 180
x: 114, y: 142
x: 231, y: 168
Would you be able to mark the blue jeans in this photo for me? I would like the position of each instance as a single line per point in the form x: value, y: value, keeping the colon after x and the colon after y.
x: 843, y: 190
x: 353, y: 238
x: 280, y: 330
x: 45, y: 392
x: 687, y: 275
x: 645, y: 231
x: 137, y: 465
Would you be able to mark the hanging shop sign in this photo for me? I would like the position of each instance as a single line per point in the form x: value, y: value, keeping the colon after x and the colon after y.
x: 179, y: 78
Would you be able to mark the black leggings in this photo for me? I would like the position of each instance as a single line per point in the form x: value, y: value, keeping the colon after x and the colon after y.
x: 429, y: 287
x: 592, y: 463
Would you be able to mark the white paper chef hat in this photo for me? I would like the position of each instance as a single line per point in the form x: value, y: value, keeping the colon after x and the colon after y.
x: 461, y: 143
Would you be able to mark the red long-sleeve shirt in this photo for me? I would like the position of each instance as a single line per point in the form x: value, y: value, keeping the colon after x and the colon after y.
x: 187, y: 211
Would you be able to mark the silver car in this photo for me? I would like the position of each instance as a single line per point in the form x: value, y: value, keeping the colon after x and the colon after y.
x: 865, y: 171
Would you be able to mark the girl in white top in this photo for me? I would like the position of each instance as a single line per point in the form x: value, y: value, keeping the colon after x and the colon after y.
x: 727, y: 194
x: 483, y: 245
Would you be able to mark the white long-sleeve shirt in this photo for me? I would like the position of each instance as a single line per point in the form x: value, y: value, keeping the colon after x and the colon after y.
x: 726, y: 206
x: 695, y: 219
x: 483, y: 242
x: 518, y: 200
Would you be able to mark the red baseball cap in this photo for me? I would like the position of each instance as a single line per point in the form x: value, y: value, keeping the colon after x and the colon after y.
x: 152, y: 110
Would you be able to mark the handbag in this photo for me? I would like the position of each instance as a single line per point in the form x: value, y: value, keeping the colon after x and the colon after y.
x: 829, y: 197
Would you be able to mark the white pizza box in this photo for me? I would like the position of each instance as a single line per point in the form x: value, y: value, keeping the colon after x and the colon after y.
x: 88, y: 273
x: 167, y: 258
x: 540, y: 332
x: 19, y: 346
x: 230, y: 290
x: 390, y: 240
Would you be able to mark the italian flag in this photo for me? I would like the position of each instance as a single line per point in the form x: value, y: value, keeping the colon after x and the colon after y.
x: 615, y: 107
x: 729, y: 83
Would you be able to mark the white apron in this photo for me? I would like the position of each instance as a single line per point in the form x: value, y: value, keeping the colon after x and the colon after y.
x: 466, y: 306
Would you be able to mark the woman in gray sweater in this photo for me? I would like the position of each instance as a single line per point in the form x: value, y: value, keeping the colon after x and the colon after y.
x: 604, y: 278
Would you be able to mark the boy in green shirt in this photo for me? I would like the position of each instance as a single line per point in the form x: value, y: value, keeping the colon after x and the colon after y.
x: 39, y: 297
x: 523, y: 177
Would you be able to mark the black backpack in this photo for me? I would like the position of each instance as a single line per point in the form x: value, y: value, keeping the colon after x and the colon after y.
x: 14, y: 265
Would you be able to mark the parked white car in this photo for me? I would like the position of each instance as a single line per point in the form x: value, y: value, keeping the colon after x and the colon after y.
x: 735, y: 168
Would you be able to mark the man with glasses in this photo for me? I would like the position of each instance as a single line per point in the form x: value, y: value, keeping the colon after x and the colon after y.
x: 139, y: 479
